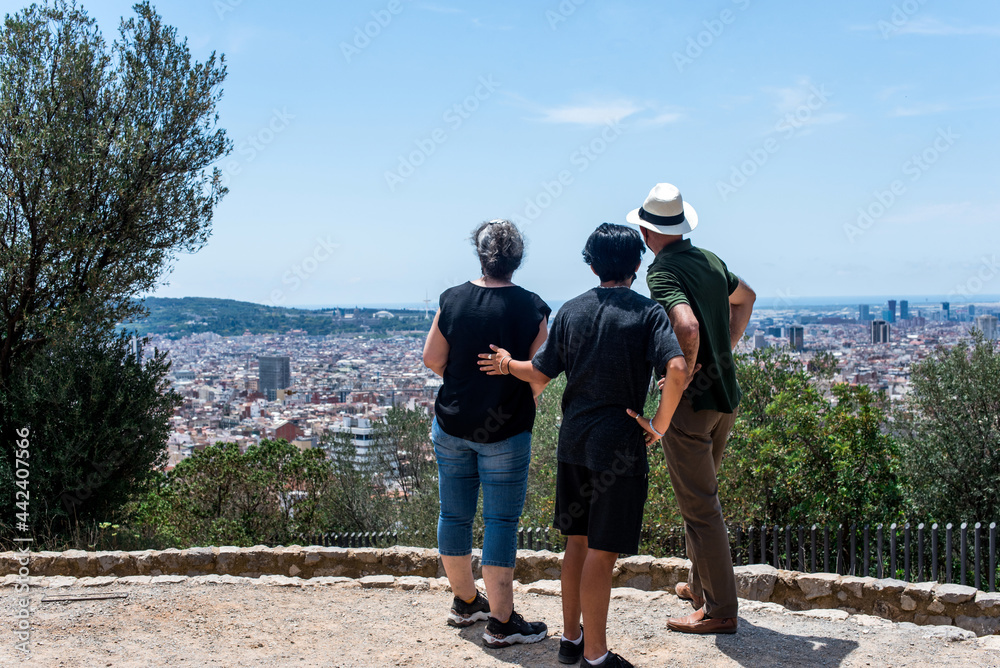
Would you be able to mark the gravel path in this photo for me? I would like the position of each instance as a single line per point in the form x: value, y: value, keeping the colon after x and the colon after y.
x: 192, y: 623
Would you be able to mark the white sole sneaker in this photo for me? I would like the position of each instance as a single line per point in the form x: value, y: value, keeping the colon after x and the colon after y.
x: 516, y: 639
x: 462, y: 622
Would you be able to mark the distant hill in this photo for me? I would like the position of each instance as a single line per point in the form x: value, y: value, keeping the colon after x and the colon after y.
x: 227, y: 317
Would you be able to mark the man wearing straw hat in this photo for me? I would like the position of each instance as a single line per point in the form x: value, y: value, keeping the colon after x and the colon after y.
x: 709, y: 308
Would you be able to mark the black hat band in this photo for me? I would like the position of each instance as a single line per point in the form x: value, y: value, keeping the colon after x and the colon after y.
x: 666, y: 221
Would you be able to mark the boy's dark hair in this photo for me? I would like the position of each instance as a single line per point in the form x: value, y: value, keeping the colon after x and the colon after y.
x: 614, y: 251
x: 500, y: 248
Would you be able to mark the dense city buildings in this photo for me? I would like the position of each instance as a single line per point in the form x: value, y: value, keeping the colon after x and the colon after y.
x: 308, y: 389
x: 334, y: 384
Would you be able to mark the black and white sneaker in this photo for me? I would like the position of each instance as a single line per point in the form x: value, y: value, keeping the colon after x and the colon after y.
x: 613, y: 661
x: 466, y: 614
x: 515, y: 630
x: 570, y: 652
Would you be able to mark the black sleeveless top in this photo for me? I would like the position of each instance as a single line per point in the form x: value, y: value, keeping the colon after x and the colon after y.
x: 470, y: 404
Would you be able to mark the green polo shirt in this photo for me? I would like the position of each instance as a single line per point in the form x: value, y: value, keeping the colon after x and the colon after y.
x: 684, y: 274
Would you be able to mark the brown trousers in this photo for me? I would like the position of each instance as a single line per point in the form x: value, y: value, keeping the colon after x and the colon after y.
x: 693, y: 445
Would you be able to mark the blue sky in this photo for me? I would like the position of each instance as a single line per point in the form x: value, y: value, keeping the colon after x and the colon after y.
x: 363, y: 162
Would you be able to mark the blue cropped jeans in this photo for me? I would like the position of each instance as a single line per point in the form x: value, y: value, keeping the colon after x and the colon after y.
x: 502, y: 470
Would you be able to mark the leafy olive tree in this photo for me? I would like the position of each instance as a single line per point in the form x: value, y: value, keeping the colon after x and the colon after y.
x: 220, y: 496
x: 98, y: 417
x: 951, y: 433
x: 106, y: 156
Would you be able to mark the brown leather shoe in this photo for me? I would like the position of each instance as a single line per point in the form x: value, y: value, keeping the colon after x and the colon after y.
x: 697, y: 622
x: 684, y: 593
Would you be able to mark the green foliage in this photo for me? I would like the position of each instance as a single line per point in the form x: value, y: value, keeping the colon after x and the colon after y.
x: 98, y: 417
x: 796, y: 455
x: 360, y: 501
x: 539, y: 505
x: 274, y: 492
x: 220, y: 496
x: 951, y: 432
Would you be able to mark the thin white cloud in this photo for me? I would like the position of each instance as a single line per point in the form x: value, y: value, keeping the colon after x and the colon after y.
x: 927, y: 26
x: 922, y: 110
x: 664, y: 119
x: 952, y: 214
x: 439, y: 9
x: 935, y: 27
x: 803, y: 106
x: 968, y: 104
x: 891, y: 91
x: 592, y: 114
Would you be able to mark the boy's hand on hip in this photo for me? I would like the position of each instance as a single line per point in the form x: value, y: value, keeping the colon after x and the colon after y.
x: 650, y: 435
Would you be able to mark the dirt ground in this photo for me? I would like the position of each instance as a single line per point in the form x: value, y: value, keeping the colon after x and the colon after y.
x: 192, y: 623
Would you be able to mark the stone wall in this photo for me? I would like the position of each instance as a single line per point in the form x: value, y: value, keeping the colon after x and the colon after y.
x: 921, y: 603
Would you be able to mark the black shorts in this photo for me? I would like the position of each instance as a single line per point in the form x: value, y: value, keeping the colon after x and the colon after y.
x: 603, y: 506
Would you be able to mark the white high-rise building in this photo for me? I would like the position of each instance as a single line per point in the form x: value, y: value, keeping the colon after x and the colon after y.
x: 987, y: 324
x: 362, y: 436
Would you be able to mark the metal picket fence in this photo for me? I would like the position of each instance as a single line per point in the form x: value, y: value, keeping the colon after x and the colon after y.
x: 965, y: 554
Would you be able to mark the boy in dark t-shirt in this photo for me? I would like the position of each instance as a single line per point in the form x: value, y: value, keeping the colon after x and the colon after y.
x: 608, y: 341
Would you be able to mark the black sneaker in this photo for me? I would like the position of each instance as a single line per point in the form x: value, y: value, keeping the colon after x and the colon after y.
x: 570, y: 652
x: 613, y: 661
x: 515, y: 630
x: 466, y: 614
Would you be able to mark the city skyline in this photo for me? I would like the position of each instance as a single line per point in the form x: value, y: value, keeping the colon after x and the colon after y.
x: 839, y: 150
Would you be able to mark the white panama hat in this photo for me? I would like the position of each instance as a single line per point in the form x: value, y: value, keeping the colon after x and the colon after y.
x: 665, y: 211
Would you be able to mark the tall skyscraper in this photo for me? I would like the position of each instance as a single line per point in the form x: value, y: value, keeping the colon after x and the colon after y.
x: 972, y: 310
x: 946, y: 309
x: 987, y: 324
x: 892, y: 310
x: 864, y: 314
x: 881, y: 331
x: 904, y: 310
x: 796, y: 337
x: 275, y: 373
x: 759, y: 342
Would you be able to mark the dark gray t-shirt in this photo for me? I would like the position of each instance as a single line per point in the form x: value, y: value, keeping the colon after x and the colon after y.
x: 608, y: 341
